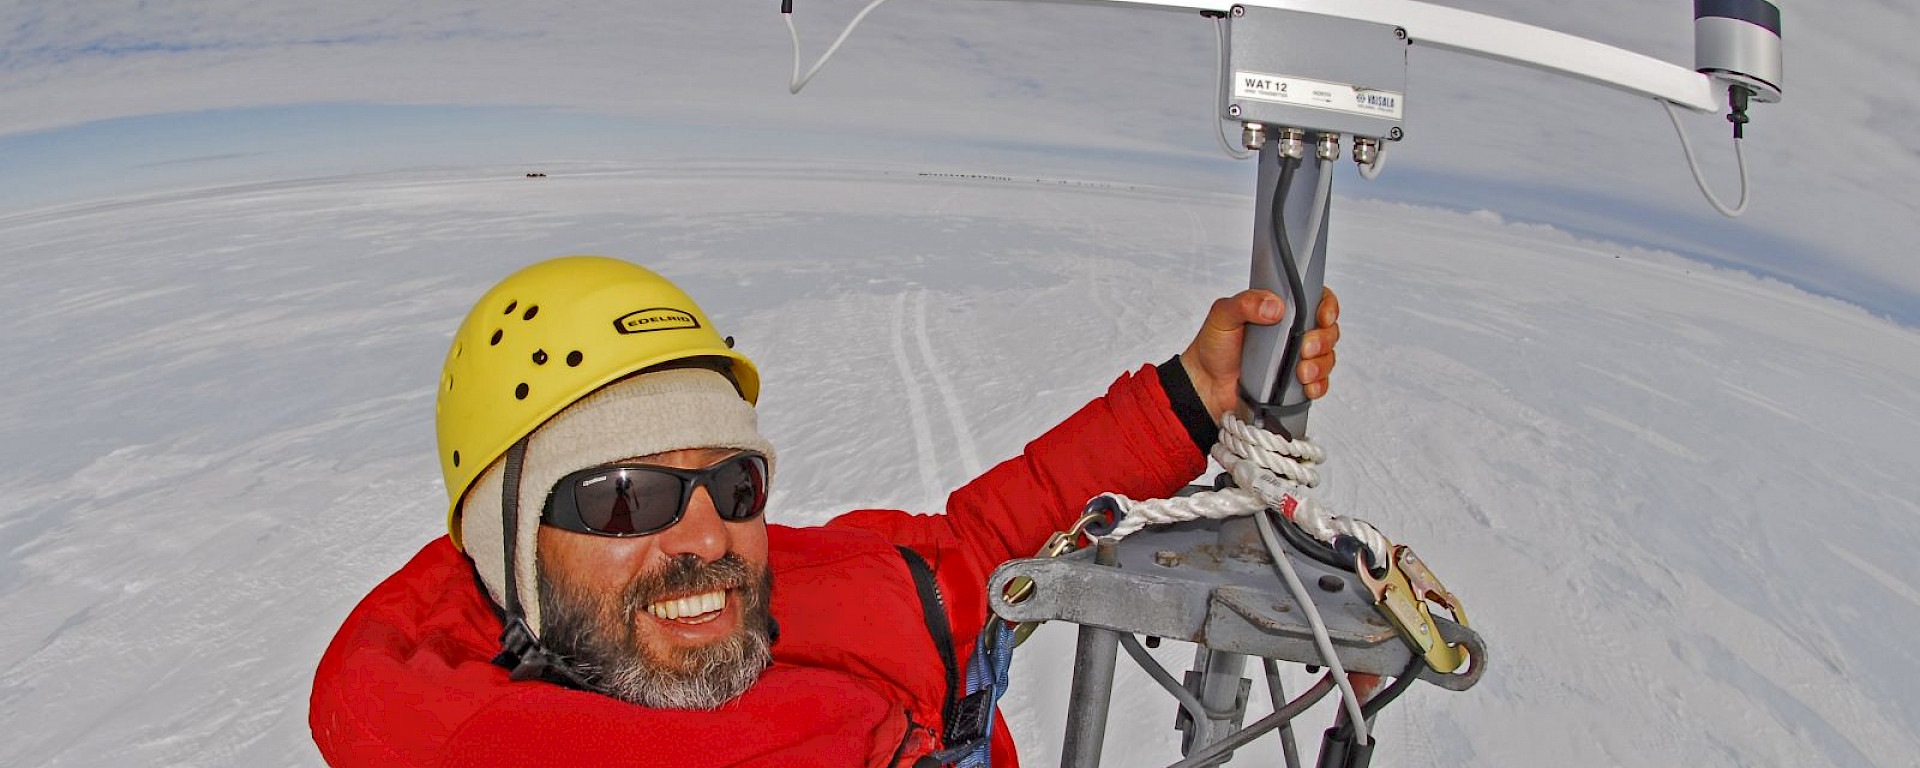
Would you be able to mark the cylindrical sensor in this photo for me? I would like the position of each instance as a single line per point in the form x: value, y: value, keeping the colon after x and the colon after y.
x: 1739, y: 41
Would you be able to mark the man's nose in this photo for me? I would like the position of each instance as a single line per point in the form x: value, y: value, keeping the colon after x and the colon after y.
x: 700, y: 532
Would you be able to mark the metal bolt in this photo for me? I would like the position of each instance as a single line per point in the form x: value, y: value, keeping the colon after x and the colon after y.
x: 1239, y: 11
x: 1406, y: 556
x: 1328, y: 147
x: 1332, y: 583
x: 1400, y: 33
x: 1167, y: 558
x: 1253, y: 135
x: 1233, y: 110
x: 1365, y: 150
x: 1293, y: 143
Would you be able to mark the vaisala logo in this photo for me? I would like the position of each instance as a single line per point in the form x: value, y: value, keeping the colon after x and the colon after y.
x: 655, y: 319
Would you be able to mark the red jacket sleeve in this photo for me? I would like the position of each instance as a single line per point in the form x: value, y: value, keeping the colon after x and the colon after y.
x: 1129, y: 441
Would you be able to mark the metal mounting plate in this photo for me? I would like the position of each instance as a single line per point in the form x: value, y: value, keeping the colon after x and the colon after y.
x: 1221, y: 592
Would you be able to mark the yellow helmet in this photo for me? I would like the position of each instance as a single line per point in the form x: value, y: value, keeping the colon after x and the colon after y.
x: 549, y: 335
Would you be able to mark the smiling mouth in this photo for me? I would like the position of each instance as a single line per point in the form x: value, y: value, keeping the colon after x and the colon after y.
x: 690, y: 609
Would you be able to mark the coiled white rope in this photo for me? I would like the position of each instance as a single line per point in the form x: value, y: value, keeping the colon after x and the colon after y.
x: 1272, y: 472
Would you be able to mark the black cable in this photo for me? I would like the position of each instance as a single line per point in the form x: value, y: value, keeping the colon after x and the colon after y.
x: 1307, y: 545
x: 1393, y: 690
x: 1737, y: 96
x: 1386, y: 696
x: 1290, y: 357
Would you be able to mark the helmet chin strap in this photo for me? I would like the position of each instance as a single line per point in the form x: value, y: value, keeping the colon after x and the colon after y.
x: 521, y: 649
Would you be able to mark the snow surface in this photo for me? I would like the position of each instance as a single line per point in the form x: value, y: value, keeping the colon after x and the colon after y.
x: 1678, y: 500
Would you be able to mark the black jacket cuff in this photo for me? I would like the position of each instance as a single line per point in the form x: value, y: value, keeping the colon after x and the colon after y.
x: 1187, y: 405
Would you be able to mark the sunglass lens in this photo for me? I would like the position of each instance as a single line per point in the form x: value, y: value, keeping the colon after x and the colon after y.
x: 628, y: 501
x: 739, y: 488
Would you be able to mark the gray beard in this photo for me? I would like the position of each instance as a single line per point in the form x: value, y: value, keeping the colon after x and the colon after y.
x: 595, y: 633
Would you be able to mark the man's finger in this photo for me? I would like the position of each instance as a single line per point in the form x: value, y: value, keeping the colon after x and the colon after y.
x: 1315, y: 369
x: 1319, y: 341
x: 1260, y: 307
x: 1329, y: 307
x: 1249, y: 306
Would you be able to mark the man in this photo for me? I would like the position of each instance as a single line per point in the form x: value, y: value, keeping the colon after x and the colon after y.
x: 607, y: 593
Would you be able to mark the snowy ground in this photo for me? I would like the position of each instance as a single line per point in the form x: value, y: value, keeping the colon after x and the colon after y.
x: 1679, y: 501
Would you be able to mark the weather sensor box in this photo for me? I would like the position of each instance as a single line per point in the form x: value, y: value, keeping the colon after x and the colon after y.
x: 1319, y: 73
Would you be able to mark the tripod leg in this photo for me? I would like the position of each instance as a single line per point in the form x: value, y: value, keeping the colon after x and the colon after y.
x: 1093, y: 663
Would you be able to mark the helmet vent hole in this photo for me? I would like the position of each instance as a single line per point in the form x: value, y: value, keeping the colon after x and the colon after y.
x: 539, y: 357
x: 520, y: 392
x: 456, y: 458
x: 574, y: 358
x: 496, y: 338
x: 531, y: 311
x: 457, y: 349
x: 449, y: 383
x: 510, y: 307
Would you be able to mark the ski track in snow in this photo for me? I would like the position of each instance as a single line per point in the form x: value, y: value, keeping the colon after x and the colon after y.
x: 925, y: 459
x: 1886, y: 580
x: 943, y: 384
x: 1678, y: 501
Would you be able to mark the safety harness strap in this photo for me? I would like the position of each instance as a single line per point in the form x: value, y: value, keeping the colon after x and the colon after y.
x: 521, y: 651
x: 968, y: 706
x: 510, y: 525
x: 935, y: 612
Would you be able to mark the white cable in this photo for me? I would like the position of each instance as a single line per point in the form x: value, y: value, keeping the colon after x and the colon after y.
x: 799, y: 82
x: 1700, y: 178
x: 1284, y: 564
x: 1371, y: 171
x: 1220, y: 72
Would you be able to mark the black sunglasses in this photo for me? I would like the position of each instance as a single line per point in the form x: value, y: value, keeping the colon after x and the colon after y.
x: 639, y: 499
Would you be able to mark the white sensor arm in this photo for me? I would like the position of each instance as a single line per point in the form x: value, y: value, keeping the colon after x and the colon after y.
x: 1452, y: 29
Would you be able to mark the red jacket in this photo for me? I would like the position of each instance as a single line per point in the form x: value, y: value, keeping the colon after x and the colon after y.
x: 856, y: 678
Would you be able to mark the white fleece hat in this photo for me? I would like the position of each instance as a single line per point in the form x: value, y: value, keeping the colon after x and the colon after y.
x: 641, y: 415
